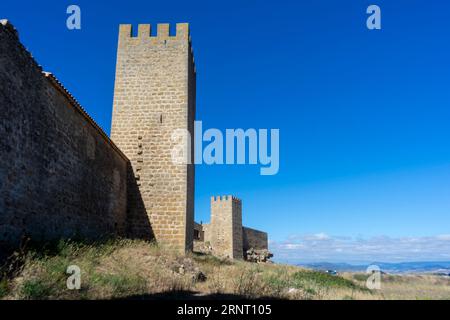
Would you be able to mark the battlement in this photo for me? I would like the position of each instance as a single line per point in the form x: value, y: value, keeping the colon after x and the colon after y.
x: 162, y: 31
x: 163, y: 37
x: 225, y: 198
x: 78, y: 181
x: 225, y: 234
x: 154, y: 94
x: 225, y: 231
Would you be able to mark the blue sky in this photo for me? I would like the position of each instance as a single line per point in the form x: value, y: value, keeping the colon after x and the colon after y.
x: 363, y: 115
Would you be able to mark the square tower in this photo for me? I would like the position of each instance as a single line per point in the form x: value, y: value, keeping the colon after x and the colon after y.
x: 226, y: 227
x: 154, y: 95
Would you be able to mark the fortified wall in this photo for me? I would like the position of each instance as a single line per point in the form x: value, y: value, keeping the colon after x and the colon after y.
x: 255, y: 239
x: 154, y: 95
x: 60, y: 174
x: 225, y: 235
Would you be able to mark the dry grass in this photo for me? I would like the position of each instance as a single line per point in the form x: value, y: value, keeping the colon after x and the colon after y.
x: 135, y: 269
x: 410, y: 286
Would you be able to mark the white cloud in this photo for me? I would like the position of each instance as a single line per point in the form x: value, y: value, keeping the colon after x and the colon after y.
x: 444, y: 237
x: 322, y: 247
x: 321, y: 236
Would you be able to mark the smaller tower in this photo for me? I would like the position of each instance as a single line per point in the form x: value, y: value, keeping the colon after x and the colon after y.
x: 226, y: 227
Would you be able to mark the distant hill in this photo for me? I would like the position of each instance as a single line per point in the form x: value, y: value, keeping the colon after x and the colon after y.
x: 402, y: 267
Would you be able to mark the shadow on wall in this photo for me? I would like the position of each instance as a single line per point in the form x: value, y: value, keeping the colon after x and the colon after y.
x: 138, y: 222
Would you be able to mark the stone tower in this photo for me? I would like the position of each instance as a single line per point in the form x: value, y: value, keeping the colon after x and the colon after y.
x: 154, y: 95
x: 226, y: 227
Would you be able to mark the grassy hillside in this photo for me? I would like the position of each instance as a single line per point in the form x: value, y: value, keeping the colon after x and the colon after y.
x: 128, y: 269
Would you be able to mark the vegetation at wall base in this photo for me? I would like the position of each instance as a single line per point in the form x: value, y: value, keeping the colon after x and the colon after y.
x: 134, y: 269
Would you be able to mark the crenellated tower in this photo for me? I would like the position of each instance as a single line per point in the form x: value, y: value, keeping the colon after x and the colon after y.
x: 154, y: 95
x: 225, y: 229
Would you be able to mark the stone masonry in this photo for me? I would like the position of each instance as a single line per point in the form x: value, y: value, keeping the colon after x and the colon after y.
x: 154, y: 95
x: 254, y: 239
x: 226, y: 226
x: 224, y: 235
x: 61, y: 176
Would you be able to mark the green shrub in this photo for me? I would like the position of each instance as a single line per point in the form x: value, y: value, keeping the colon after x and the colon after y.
x: 36, y: 289
x: 4, y: 288
x: 360, y: 277
x: 248, y: 284
x: 307, y: 278
x: 121, y: 284
x: 277, y: 282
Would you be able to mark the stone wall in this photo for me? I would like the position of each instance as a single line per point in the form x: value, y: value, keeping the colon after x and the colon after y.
x: 154, y: 96
x: 225, y: 230
x: 254, y: 239
x: 224, y: 235
x: 60, y: 175
x: 237, y: 229
x: 207, y: 234
x: 199, y: 234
